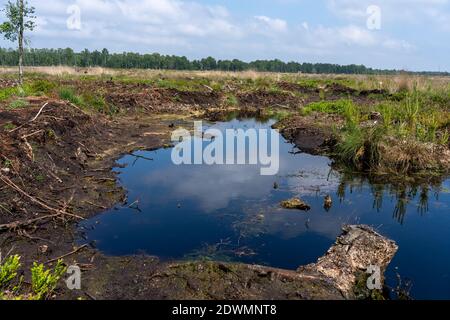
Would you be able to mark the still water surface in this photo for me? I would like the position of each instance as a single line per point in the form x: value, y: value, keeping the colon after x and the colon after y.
x: 232, y: 213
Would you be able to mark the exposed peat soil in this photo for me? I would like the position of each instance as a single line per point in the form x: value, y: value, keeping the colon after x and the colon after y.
x: 56, y: 171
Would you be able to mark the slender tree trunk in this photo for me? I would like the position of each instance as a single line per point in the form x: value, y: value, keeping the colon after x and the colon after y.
x: 21, y: 32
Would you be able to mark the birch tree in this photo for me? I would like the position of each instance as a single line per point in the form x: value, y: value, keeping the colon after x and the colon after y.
x: 20, y: 18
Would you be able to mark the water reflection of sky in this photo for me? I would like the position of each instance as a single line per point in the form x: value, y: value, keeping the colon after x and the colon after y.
x: 232, y: 212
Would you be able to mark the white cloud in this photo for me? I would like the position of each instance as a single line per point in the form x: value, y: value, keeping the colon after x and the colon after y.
x: 355, y: 35
x: 196, y: 29
x: 350, y: 36
x: 277, y: 25
x: 398, y: 45
x: 393, y: 11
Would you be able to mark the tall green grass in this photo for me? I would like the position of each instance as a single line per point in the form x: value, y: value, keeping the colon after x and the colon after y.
x: 411, y: 119
x: 415, y: 117
x: 344, y: 107
x: 68, y: 94
x: 360, y: 146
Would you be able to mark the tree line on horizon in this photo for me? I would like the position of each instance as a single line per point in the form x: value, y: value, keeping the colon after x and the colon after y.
x: 130, y: 60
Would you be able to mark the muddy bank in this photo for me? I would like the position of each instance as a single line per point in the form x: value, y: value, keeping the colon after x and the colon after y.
x: 163, y: 100
x: 56, y: 161
x: 150, y: 97
x: 312, y: 134
x: 333, y: 277
x: 56, y: 170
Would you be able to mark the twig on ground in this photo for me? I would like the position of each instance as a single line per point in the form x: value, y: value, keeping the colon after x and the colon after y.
x: 35, y: 117
x: 11, y: 184
x: 27, y: 235
x: 31, y: 134
x: 96, y: 205
x: 40, y: 111
x: 67, y: 254
x: 78, y: 108
x: 208, y: 87
x: 4, y: 208
x: 55, y: 176
x: 89, y: 295
x: 19, y: 224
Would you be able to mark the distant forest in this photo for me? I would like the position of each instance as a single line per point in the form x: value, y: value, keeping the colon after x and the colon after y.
x: 129, y: 60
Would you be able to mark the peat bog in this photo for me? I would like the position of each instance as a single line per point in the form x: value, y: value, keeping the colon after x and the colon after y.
x: 75, y: 169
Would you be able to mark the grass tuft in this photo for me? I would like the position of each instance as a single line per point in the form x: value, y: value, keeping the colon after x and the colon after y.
x: 68, y: 93
x: 17, y: 104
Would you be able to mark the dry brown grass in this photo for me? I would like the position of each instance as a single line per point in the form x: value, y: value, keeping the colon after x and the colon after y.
x: 407, y: 82
x: 61, y: 70
x: 409, y: 156
x: 149, y: 73
x: 391, y: 83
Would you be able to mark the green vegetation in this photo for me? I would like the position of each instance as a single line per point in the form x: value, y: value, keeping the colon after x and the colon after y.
x: 406, y: 114
x: 87, y: 100
x: 17, y: 104
x: 41, y: 87
x: 6, y: 93
x: 409, y: 124
x: 9, y: 126
x: 31, y: 88
x: 43, y: 281
x: 362, y: 292
x: 416, y: 118
x: 187, y: 84
x: 7, y: 163
x: 276, y: 114
x: 94, y: 101
x: 19, y: 19
x: 231, y: 100
x: 360, y: 147
x: 40, y: 178
x: 342, y: 107
x: 8, y: 270
x: 68, y: 94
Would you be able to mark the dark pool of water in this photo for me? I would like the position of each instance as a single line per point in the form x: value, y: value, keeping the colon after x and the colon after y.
x: 232, y: 213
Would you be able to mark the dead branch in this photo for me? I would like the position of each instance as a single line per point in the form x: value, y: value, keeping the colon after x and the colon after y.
x: 90, y: 296
x: 208, y: 87
x: 25, y: 234
x: 79, y: 109
x: 137, y: 157
x: 39, y: 113
x: 11, y: 184
x: 31, y: 134
x: 20, y: 224
x: 35, y: 117
x: 67, y: 254
x: 55, y: 176
x: 4, y: 208
x: 95, y: 205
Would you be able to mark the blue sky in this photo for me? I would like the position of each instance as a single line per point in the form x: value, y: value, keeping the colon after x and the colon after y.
x: 402, y: 34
